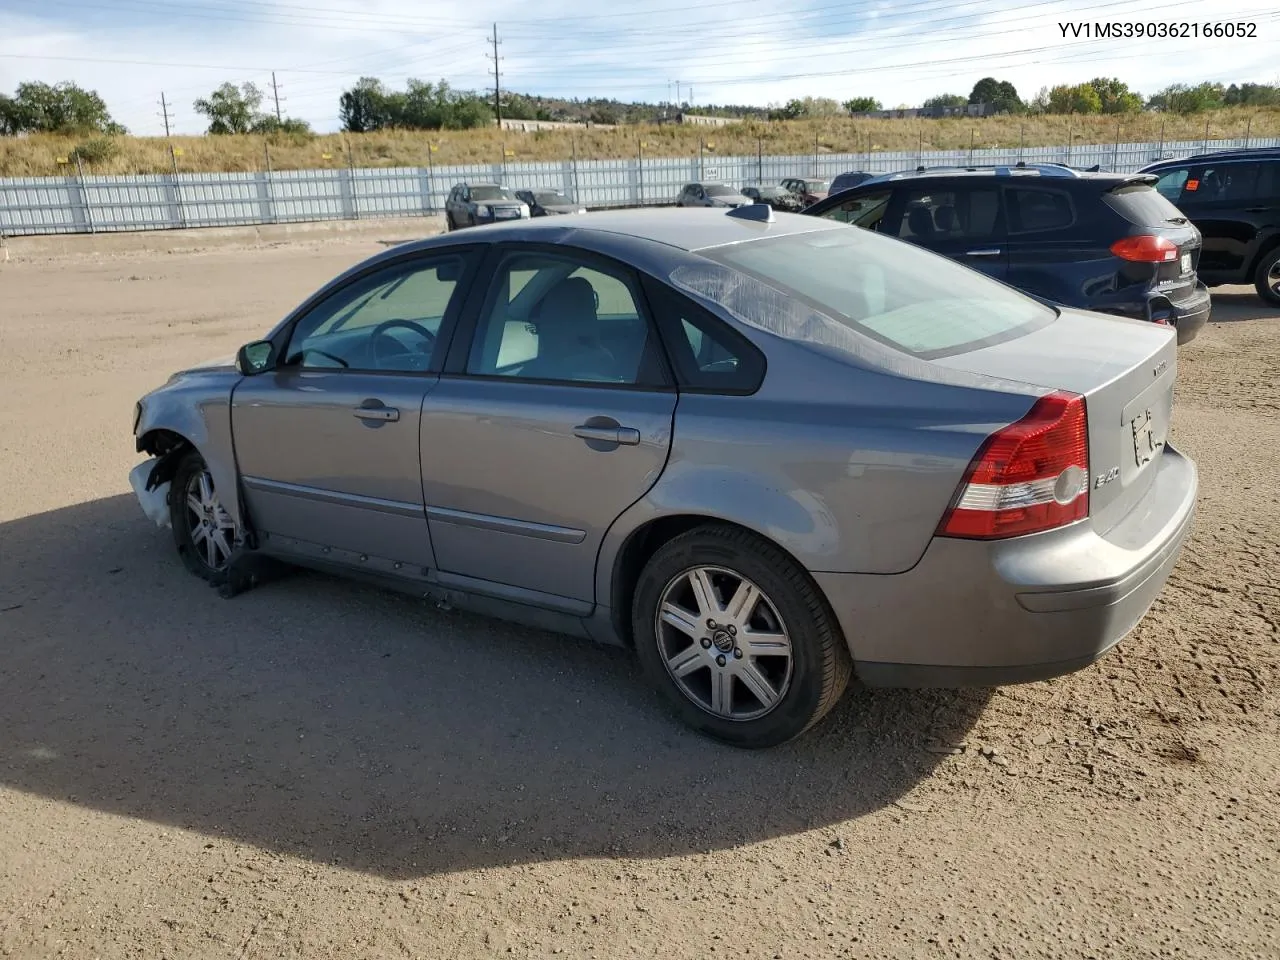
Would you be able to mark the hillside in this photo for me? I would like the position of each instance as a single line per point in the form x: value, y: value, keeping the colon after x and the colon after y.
x: 38, y: 155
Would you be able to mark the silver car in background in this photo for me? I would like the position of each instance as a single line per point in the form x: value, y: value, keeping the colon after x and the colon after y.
x: 765, y: 451
x: 710, y: 195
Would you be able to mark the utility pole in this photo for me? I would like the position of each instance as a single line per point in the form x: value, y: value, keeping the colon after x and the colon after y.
x: 275, y: 93
x: 678, y: 96
x: 497, y: 78
x: 164, y: 112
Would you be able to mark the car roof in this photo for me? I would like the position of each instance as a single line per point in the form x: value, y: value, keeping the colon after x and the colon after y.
x: 688, y: 229
x: 1253, y: 153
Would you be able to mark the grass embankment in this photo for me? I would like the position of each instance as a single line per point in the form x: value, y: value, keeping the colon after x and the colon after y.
x: 38, y: 155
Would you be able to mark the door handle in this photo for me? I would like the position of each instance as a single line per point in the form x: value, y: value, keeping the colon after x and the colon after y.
x: 379, y: 413
x: 1258, y: 209
x: 611, y: 434
x: 989, y: 252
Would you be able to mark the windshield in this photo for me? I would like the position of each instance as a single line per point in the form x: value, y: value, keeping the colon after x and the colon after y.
x: 816, y: 186
x: 771, y: 193
x: 915, y: 301
x: 481, y: 194
x: 551, y: 198
x: 720, y: 190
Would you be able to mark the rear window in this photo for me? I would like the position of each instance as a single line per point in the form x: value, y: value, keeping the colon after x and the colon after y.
x: 1142, y: 205
x: 894, y: 292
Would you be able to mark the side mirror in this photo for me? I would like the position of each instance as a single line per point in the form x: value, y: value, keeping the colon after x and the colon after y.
x: 254, y: 358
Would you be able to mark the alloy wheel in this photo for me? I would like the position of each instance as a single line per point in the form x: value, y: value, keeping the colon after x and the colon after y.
x: 723, y: 643
x: 213, y: 532
x: 1273, y: 278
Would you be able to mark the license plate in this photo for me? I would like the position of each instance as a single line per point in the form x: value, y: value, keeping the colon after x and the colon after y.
x: 1145, y: 443
x: 1186, y: 263
x: 506, y: 214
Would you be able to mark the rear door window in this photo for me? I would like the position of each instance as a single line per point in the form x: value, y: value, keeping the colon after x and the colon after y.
x: 956, y: 214
x: 1033, y: 210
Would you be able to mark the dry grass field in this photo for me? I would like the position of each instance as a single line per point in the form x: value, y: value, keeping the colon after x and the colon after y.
x: 38, y: 156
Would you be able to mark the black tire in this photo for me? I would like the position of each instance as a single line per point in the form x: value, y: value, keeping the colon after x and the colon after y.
x: 820, y: 665
x: 194, y: 558
x: 1266, y: 279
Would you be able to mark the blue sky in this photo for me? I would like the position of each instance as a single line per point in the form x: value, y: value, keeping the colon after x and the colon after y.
x: 740, y: 51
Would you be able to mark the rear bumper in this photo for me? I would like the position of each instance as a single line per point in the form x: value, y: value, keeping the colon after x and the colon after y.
x: 974, y: 613
x: 1187, y: 316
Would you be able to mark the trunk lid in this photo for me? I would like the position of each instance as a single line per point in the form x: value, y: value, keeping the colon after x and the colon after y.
x: 1125, y: 369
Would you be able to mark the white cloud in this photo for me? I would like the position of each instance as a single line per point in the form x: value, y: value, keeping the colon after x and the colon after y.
x: 751, y: 51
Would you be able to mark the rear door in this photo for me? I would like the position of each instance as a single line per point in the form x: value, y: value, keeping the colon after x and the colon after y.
x: 1051, y: 242
x: 962, y: 221
x: 1231, y: 203
x: 553, y: 416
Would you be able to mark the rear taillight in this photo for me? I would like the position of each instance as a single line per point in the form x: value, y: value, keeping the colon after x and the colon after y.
x: 1146, y: 249
x: 1031, y: 476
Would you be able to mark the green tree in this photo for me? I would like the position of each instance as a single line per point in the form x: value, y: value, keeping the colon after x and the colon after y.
x: 58, y: 108
x: 862, y: 105
x: 1252, y: 95
x: 231, y: 109
x: 363, y: 108
x: 1081, y: 98
x: 1180, y: 98
x: 1116, y: 97
x: 944, y: 100
x: 1001, y: 94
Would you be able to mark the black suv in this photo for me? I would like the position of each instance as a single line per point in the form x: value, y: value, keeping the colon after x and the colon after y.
x: 1097, y: 241
x: 1233, y: 198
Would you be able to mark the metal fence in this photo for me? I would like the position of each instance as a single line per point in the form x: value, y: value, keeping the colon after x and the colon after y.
x: 92, y: 204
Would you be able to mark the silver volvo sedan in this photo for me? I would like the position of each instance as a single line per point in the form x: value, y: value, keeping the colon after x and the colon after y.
x: 766, y: 451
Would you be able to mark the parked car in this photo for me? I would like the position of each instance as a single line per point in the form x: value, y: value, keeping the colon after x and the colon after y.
x: 807, y: 189
x: 764, y: 450
x: 547, y: 202
x: 777, y: 197
x: 710, y: 195
x: 1100, y: 241
x: 1233, y: 198
x: 847, y: 181
x: 471, y: 204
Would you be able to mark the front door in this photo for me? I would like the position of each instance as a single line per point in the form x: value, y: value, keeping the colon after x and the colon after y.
x: 1230, y: 204
x: 327, y: 443
x: 961, y: 222
x: 556, y: 416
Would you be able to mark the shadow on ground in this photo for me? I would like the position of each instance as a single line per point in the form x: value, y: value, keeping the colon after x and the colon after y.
x: 345, y: 724
x: 1233, y: 304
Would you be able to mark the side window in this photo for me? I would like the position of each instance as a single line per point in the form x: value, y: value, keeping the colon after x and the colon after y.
x: 1239, y: 181
x: 708, y: 356
x: 552, y: 317
x: 1171, y: 183
x: 1269, y: 179
x: 950, y: 214
x: 1036, y: 211
x: 388, y: 320
x: 865, y: 211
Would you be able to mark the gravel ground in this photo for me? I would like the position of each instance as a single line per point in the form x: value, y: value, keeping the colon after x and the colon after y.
x: 318, y: 769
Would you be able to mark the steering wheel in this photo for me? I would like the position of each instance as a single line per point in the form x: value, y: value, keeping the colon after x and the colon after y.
x: 380, y: 334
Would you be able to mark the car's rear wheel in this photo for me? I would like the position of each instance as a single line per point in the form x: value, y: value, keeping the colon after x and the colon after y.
x: 737, y: 637
x: 1267, y: 277
x: 203, y: 531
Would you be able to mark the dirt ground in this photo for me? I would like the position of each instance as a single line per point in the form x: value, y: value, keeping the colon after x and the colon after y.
x: 319, y: 769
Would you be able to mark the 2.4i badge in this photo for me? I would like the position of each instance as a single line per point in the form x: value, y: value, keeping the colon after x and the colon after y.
x: 1145, y: 444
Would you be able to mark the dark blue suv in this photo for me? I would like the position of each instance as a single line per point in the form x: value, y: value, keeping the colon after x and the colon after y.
x: 1098, y: 241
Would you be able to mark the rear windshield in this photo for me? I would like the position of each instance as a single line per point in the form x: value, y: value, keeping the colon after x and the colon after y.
x: 720, y: 190
x: 1142, y: 205
x: 897, y: 293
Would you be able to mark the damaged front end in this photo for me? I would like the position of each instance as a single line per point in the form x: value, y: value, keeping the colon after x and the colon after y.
x: 152, y: 497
